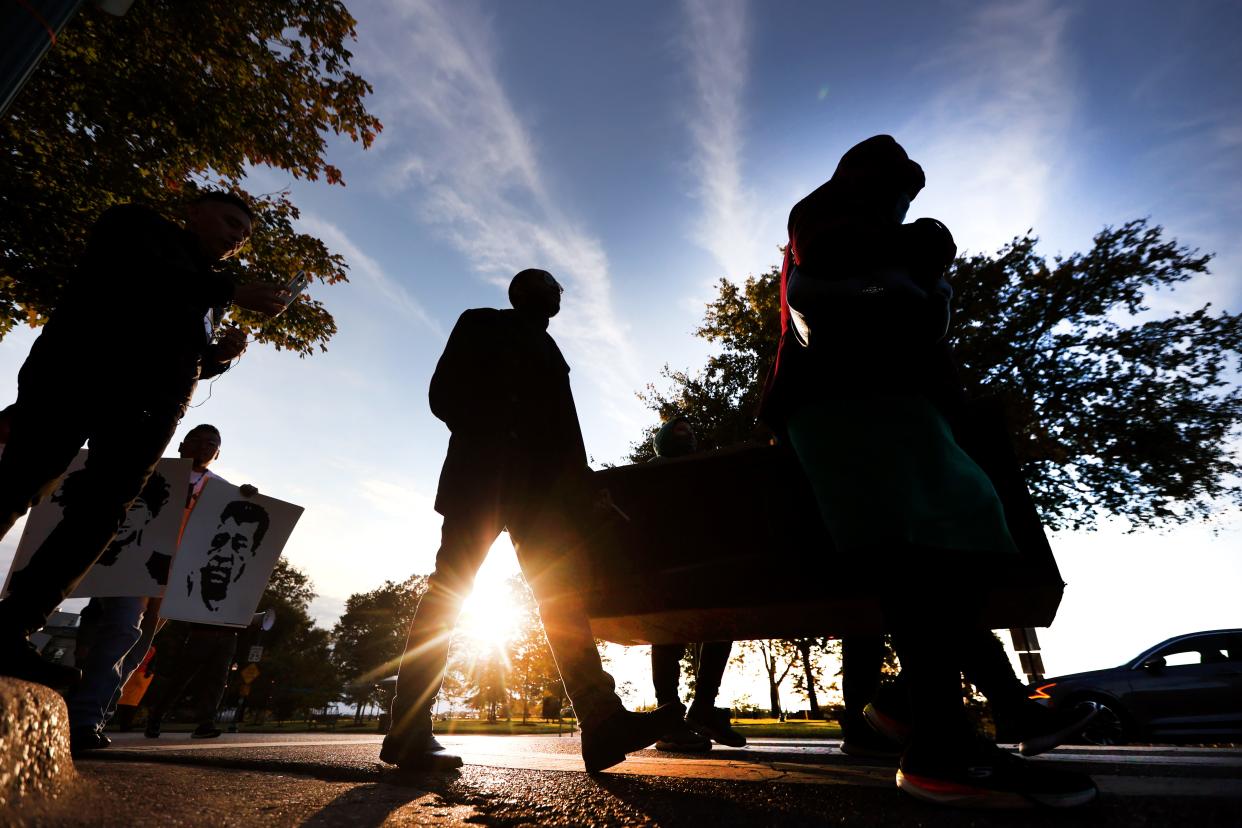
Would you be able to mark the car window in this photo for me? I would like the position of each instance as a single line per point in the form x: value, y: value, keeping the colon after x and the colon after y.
x: 1182, y: 659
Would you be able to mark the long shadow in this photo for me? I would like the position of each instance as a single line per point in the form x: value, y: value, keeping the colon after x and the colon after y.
x: 370, y: 806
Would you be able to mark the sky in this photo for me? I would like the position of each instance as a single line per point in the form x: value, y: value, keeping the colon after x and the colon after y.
x: 642, y: 151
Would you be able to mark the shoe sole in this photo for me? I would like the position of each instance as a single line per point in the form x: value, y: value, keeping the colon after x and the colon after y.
x: 426, y: 762
x: 941, y: 792
x: 602, y: 763
x: 1042, y: 744
x: 206, y: 735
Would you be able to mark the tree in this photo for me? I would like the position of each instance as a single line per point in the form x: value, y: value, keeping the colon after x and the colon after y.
x: 720, y: 401
x: 370, y: 636
x: 295, y: 673
x: 778, y: 657
x: 531, y: 664
x: 169, y: 98
x: 488, y: 675
x: 812, y: 670
x: 1114, y: 411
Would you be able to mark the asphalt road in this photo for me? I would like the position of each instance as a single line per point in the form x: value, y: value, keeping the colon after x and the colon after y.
x: 329, y: 780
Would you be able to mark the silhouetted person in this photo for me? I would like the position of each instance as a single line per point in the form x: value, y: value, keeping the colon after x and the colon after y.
x: 116, y: 365
x: 205, y: 655
x: 110, y: 626
x: 704, y: 722
x: 515, y: 460
x: 863, y: 390
x: 118, y: 631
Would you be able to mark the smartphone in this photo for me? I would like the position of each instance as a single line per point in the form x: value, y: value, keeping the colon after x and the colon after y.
x: 295, y: 286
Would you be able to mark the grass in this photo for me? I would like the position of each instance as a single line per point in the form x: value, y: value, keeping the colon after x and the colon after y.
x: 751, y: 728
x: 791, y: 729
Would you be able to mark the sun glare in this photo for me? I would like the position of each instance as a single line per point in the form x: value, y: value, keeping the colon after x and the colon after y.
x: 489, y: 615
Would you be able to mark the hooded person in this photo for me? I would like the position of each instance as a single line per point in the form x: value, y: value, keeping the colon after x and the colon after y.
x: 863, y: 390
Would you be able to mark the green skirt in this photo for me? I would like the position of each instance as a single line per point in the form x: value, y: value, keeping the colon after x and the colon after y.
x: 887, y: 472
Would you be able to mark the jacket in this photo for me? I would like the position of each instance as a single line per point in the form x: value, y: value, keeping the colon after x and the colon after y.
x: 502, y: 388
x: 142, y: 304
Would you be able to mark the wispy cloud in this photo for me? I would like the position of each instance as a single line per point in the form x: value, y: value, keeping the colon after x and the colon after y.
x: 456, y: 145
x: 365, y: 271
x: 716, y: 47
x: 994, y: 135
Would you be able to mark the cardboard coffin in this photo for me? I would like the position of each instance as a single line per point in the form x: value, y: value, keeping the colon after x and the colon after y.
x: 728, y: 545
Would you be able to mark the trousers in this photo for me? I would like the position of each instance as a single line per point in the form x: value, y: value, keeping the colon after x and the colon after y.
x: 48, y: 427
x: 204, y: 659
x: 110, y: 629
x: 712, y: 657
x: 547, y: 547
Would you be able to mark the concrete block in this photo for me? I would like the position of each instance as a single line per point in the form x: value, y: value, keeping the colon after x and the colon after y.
x: 34, y: 743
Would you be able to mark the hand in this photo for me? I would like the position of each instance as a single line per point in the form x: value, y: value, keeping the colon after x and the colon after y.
x: 232, y: 344
x: 266, y: 299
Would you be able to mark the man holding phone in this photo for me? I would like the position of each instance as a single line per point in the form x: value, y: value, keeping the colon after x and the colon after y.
x: 146, y: 294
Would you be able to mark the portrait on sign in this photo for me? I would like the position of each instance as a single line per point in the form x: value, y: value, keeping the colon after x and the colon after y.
x: 229, y: 548
x: 136, y: 562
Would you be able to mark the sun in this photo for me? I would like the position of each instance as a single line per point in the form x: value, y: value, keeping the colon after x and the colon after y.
x: 489, y: 615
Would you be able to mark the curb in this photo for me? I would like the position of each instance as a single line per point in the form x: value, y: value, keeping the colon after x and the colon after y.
x: 34, y: 743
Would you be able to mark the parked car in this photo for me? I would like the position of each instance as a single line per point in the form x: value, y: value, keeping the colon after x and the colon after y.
x: 1186, y: 689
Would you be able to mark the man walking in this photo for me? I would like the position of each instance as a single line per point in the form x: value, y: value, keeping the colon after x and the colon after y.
x: 145, y: 297
x: 515, y: 460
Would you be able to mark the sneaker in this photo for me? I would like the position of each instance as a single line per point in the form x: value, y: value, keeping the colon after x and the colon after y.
x: 1038, y: 729
x: 419, y: 750
x: 20, y: 660
x: 152, y: 730
x: 683, y: 740
x: 715, y: 723
x: 889, y: 725
x: 85, y: 739
x: 206, y: 730
x: 605, y: 744
x: 989, y: 777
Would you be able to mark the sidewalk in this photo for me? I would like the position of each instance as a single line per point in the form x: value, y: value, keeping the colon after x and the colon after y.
x: 324, y: 780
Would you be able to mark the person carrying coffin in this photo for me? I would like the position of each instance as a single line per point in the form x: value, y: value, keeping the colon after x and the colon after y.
x: 116, y: 365
x: 862, y: 390
x: 515, y: 460
x: 704, y: 721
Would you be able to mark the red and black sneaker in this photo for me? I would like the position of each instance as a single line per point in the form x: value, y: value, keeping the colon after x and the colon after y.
x: 989, y: 777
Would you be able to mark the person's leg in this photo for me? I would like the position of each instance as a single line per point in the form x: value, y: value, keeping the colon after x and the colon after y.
x: 216, y: 654
x: 172, y: 674
x: 124, y: 448
x: 713, y: 658
x: 862, y: 660
x: 114, y: 628
x: 45, y: 435
x: 703, y: 715
x: 666, y: 671
x: 547, y: 552
x: 138, y: 652
x: 1018, y: 719
x: 465, y: 540
x: 551, y: 556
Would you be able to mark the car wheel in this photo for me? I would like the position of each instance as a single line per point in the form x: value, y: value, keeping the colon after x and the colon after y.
x: 1108, y: 727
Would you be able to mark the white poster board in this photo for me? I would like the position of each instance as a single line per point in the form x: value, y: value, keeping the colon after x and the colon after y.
x: 229, y: 548
x: 136, y: 563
